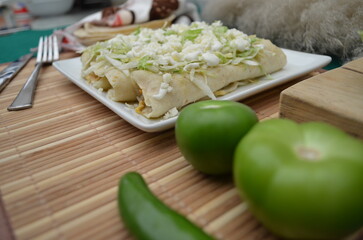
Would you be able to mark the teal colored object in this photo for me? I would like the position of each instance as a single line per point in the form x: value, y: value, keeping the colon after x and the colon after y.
x: 335, y: 63
x: 17, y: 44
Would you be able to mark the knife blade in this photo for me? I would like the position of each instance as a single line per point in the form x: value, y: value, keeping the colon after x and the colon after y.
x: 10, y: 71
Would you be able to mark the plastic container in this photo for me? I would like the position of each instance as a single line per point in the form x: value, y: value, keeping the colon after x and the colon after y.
x: 48, y: 7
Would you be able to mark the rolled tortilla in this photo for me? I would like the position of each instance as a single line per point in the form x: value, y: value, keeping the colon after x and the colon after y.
x: 177, y: 49
x: 123, y: 89
x: 185, y: 91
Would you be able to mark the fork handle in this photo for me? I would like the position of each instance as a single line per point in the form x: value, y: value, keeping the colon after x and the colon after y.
x: 25, y: 97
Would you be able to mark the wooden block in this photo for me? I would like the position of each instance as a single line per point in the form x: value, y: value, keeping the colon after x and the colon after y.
x: 356, y: 65
x: 335, y: 97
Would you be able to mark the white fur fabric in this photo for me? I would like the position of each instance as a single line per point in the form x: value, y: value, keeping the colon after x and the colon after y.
x: 318, y: 26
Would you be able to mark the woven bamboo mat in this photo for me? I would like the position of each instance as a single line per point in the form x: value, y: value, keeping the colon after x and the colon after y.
x: 61, y: 160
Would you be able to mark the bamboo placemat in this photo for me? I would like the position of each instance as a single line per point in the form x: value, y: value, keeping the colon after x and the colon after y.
x: 61, y: 160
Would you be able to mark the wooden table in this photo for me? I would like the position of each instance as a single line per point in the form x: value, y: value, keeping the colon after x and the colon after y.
x: 61, y: 160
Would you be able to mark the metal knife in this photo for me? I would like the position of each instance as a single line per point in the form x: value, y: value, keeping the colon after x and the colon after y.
x: 10, y: 71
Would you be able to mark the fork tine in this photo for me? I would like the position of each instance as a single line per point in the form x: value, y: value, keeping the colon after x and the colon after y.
x: 55, y: 48
x: 40, y: 50
x: 50, y: 49
x: 45, y: 50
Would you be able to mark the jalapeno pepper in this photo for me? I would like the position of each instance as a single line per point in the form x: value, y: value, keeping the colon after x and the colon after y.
x: 149, y: 218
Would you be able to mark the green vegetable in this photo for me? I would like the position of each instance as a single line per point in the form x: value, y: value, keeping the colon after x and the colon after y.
x: 170, y: 32
x: 208, y: 132
x: 171, y: 42
x: 137, y: 31
x: 191, y: 34
x: 221, y: 57
x: 254, y: 39
x: 252, y: 52
x: 144, y: 63
x: 219, y: 31
x: 302, y: 181
x: 148, y: 218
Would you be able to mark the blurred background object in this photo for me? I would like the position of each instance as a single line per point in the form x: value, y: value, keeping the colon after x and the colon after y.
x: 48, y: 7
x: 94, y: 3
x: 118, y: 2
x: 6, y: 16
x: 321, y: 27
x: 14, y: 17
x: 47, y: 14
x: 22, y: 22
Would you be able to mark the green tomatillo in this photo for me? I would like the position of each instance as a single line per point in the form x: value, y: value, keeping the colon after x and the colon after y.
x: 208, y: 132
x: 302, y: 181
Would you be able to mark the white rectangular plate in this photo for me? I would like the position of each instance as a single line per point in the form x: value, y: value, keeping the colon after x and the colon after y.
x: 298, y: 64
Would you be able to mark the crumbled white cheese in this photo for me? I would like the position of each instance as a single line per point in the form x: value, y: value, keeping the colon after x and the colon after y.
x: 164, y: 87
x: 239, y: 44
x: 211, y: 59
x: 216, y: 46
x: 167, y: 77
x: 171, y: 113
x: 192, y: 56
x: 177, y: 49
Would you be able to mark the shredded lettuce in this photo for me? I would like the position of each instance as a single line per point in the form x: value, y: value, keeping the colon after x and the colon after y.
x: 137, y: 31
x: 191, y: 34
x: 170, y: 32
x: 222, y: 58
x: 219, y: 31
x: 93, y: 67
x: 169, y: 49
x: 119, y: 65
x: 145, y: 63
x: 201, y: 84
x: 248, y: 53
x: 253, y: 39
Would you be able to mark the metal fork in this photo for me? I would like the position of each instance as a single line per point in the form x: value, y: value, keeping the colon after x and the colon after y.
x: 47, y: 53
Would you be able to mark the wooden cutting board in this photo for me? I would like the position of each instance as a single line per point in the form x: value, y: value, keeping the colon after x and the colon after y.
x: 335, y: 97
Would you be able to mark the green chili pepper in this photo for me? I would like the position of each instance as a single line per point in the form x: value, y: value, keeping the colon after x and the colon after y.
x: 148, y: 218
